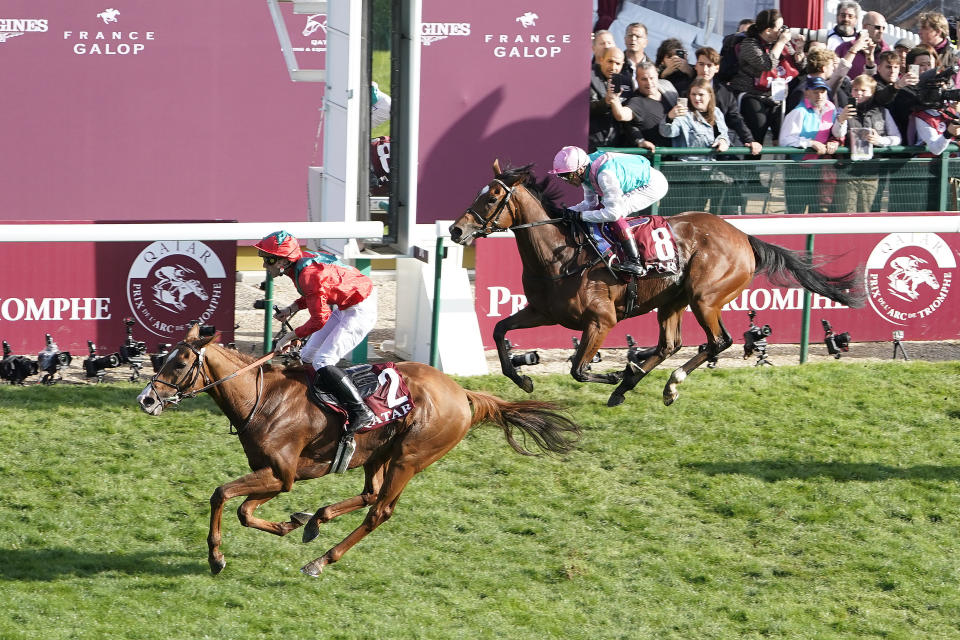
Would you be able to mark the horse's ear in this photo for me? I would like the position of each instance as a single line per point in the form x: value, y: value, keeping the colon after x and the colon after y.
x: 496, y: 167
x: 193, y: 332
x: 208, y: 339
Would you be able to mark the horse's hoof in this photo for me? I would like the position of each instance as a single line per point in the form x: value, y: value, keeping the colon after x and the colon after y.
x: 669, y: 397
x: 311, y: 530
x: 616, y: 399
x: 300, y: 518
x: 615, y: 378
x: 217, y: 563
x: 526, y: 384
x: 312, y: 569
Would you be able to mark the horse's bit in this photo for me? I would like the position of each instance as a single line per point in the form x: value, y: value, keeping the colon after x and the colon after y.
x: 197, y: 369
x: 494, y: 217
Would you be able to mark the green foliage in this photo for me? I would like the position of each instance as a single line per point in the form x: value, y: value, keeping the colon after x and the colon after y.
x: 788, y: 502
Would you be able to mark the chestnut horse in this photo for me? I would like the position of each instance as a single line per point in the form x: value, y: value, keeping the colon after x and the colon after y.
x: 566, y: 282
x: 288, y: 438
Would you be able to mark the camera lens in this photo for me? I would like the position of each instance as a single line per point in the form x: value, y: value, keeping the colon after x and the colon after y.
x: 529, y: 358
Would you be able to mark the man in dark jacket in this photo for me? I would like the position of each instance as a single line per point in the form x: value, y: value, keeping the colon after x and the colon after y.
x: 609, y: 92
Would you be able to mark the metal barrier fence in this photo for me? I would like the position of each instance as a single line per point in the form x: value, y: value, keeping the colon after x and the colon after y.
x: 894, y: 180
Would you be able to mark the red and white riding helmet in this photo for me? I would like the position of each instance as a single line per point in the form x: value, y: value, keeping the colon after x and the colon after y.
x: 282, y: 245
x: 569, y: 159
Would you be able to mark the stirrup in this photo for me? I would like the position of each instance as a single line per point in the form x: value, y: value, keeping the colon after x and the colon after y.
x: 345, y: 449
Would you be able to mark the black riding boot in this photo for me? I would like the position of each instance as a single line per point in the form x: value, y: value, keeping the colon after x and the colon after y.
x: 631, y: 263
x: 337, y: 382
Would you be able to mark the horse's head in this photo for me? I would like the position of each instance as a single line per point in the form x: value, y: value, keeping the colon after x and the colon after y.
x: 496, y: 208
x: 182, y: 373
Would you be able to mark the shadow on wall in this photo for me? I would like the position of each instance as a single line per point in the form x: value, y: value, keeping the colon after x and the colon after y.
x: 459, y: 163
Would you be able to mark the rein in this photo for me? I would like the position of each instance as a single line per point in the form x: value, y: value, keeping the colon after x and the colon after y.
x: 492, y: 221
x: 197, y: 369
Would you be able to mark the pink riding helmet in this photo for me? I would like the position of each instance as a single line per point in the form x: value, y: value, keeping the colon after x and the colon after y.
x: 569, y: 159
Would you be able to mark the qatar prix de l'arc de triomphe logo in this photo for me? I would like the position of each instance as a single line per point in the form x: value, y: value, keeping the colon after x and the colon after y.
x: 909, y: 276
x: 172, y: 283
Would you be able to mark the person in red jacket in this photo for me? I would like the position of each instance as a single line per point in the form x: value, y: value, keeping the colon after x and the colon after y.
x: 343, y: 309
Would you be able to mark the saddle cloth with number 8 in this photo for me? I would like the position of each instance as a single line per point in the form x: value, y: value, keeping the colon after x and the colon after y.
x: 380, y: 385
x: 655, y: 242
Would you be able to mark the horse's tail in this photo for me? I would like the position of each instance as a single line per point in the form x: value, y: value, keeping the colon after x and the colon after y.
x: 788, y: 268
x: 542, y: 421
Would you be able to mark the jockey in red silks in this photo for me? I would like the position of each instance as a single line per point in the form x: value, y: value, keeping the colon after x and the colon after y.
x: 615, y: 185
x: 330, y: 334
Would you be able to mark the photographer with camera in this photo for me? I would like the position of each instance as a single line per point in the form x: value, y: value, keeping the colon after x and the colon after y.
x: 763, y: 72
x: 610, y: 90
x: 938, y: 124
x: 920, y: 60
x: 672, y: 65
x: 860, y: 54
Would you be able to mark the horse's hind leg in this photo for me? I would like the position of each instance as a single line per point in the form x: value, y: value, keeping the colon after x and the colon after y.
x: 670, y: 319
x: 590, y: 341
x: 397, y: 476
x: 323, y: 515
x: 717, y: 340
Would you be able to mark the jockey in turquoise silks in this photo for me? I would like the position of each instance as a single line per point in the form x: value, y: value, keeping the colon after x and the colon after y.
x: 615, y: 185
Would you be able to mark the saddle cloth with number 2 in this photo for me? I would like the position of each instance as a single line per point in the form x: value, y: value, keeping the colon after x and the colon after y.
x: 380, y: 385
x: 655, y: 242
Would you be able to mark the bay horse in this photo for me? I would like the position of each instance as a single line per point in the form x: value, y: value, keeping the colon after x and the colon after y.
x: 287, y: 438
x: 566, y: 282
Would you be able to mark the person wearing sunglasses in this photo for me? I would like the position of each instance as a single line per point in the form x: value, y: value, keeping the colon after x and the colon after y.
x: 862, y: 52
x: 342, y: 303
x: 615, y: 185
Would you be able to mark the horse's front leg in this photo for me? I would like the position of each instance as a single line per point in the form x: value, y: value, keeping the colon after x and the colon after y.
x: 261, y: 483
x: 669, y: 343
x: 523, y: 319
x: 590, y: 341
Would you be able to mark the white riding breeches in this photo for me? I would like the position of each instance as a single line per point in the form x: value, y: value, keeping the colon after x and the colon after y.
x: 345, y: 329
x: 653, y: 191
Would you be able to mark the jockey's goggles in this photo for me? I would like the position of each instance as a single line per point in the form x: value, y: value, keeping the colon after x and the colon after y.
x: 269, y: 259
x: 566, y: 176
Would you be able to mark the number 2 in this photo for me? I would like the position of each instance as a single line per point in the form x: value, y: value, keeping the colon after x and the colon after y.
x: 394, y: 388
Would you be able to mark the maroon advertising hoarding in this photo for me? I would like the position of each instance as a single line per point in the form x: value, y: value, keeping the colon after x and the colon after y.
x: 80, y: 291
x: 908, y: 280
x: 154, y: 110
x: 498, y: 80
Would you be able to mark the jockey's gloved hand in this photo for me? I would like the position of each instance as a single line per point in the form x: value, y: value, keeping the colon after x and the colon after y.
x: 572, y: 216
x: 283, y: 341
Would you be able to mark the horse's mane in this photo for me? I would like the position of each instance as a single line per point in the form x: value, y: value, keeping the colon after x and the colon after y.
x: 237, y: 357
x: 545, y: 191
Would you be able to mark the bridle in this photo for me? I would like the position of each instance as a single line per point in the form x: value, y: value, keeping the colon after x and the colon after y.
x: 196, y: 370
x: 493, y: 220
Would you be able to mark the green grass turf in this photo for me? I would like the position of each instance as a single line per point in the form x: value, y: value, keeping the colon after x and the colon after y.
x: 791, y: 502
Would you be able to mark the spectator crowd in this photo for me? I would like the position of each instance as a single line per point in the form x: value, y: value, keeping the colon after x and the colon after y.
x: 772, y: 85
